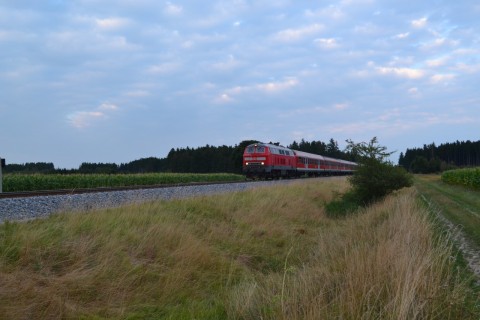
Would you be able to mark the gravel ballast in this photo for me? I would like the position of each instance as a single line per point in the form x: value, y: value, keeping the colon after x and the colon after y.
x: 13, y: 209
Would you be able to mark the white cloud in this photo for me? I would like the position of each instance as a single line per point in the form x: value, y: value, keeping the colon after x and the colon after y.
x: 172, y: 9
x: 107, y: 106
x: 330, y: 12
x: 313, y: 111
x: 111, y: 23
x: 327, y: 43
x: 223, y: 98
x: 438, y: 62
x: 397, y: 121
x: 442, y: 78
x: 414, y: 92
x: 277, y: 86
x: 267, y: 87
x: 227, y: 65
x: 295, y: 34
x: 356, y: 2
x: 164, y: 68
x: 468, y: 68
x: 402, y: 35
x: 439, y: 42
x: 419, y: 23
x: 86, y: 42
x: 367, y: 29
x: 138, y: 93
x: 340, y: 106
x: 83, y: 119
x: 409, y: 73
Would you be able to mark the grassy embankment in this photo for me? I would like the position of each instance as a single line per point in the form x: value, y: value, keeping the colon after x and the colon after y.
x: 31, y: 182
x: 458, y: 204
x: 269, y: 253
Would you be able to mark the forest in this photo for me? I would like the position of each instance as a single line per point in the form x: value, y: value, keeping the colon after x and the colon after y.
x: 432, y: 158
x: 205, y: 159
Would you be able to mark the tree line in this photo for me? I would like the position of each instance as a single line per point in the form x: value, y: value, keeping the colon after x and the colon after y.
x: 211, y: 159
x: 205, y: 159
x: 431, y: 158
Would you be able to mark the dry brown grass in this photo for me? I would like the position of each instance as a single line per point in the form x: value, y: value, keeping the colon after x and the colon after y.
x: 267, y: 253
x: 381, y: 264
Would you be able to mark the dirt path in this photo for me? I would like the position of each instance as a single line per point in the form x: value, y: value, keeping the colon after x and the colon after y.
x: 458, y: 209
x: 470, y: 251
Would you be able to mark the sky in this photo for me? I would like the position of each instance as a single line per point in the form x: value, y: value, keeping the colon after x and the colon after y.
x: 115, y: 81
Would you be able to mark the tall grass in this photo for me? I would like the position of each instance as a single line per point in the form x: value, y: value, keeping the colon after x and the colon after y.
x: 267, y: 253
x: 384, y: 263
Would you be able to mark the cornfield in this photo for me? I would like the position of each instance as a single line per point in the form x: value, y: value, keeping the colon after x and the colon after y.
x: 469, y: 177
x: 32, y: 182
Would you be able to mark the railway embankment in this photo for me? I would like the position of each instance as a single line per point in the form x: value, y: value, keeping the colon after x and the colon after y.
x: 25, y: 208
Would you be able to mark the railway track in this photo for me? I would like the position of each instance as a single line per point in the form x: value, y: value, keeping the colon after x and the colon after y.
x: 38, y: 193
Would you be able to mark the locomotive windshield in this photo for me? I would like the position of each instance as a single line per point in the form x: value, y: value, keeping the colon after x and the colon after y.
x: 259, y: 149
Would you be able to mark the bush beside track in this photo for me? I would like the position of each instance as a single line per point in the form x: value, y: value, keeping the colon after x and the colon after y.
x: 469, y: 177
x: 36, y: 182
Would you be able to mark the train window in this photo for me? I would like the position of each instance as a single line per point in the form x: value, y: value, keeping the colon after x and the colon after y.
x: 260, y: 149
x: 251, y: 149
x: 282, y: 152
x: 287, y: 153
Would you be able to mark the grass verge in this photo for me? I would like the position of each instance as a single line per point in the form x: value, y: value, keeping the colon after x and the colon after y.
x: 268, y: 253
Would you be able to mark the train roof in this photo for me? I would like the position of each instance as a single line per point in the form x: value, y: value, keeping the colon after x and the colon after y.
x: 270, y: 145
x: 320, y: 157
x: 309, y: 155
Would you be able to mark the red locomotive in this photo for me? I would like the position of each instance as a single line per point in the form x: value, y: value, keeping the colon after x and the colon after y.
x: 263, y: 160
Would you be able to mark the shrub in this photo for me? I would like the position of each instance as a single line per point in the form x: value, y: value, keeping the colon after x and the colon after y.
x: 373, y: 180
x: 375, y: 176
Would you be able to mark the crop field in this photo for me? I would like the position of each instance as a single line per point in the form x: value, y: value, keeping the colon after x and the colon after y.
x: 469, y: 177
x: 35, y: 182
x: 265, y: 253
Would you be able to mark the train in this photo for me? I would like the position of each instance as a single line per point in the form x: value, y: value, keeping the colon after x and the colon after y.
x: 270, y: 161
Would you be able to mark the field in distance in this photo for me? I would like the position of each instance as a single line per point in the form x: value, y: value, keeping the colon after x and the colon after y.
x: 269, y: 253
x: 35, y: 182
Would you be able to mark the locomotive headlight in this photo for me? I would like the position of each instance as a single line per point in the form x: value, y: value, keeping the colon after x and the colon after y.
x: 246, y: 163
x: 263, y: 163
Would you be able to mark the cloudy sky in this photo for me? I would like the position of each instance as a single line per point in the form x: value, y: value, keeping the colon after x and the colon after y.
x: 115, y: 81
